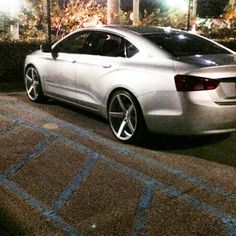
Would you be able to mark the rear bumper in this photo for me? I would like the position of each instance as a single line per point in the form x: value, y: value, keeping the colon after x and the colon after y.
x: 193, y: 114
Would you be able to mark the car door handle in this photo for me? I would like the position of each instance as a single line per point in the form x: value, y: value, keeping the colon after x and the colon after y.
x: 106, y: 66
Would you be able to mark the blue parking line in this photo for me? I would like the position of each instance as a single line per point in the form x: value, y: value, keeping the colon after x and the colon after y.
x: 125, y: 150
x: 8, y: 129
x: 38, y: 206
x: 41, y: 147
x: 228, y: 221
x: 73, y: 185
x: 27, y: 124
x: 142, y: 210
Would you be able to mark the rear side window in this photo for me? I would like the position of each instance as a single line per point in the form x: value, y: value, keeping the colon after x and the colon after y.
x: 182, y: 44
x: 130, y: 49
x: 111, y: 45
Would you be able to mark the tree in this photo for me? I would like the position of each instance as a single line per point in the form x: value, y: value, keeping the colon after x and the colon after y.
x: 230, y: 15
x: 77, y: 14
x: 33, y: 20
x: 211, y: 8
x: 6, y: 22
x: 65, y: 17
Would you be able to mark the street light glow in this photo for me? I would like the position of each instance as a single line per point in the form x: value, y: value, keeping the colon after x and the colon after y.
x: 178, y: 4
x: 4, y: 6
x: 11, y: 7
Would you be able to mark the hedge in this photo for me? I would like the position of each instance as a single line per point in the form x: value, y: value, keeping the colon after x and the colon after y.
x: 12, y: 56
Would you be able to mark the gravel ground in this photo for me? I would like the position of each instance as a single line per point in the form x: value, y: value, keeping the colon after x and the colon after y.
x: 62, y: 172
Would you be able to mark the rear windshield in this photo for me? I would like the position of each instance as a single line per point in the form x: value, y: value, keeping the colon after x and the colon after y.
x: 182, y: 44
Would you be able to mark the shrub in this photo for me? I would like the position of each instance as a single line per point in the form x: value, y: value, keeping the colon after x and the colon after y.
x: 12, y: 56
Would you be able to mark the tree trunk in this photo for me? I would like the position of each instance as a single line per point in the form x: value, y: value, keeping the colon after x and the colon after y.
x: 135, y: 12
x: 113, y: 7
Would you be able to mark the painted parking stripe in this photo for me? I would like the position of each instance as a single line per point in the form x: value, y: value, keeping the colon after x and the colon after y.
x: 40, y: 148
x: 142, y: 210
x: 7, y: 129
x: 38, y: 206
x: 73, y: 185
x: 27, y: 124
x: 228, y: 221
x: 125, y: 150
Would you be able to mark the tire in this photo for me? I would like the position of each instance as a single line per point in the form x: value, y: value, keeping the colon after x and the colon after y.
x: 125, y: 117
x: 33, y: 85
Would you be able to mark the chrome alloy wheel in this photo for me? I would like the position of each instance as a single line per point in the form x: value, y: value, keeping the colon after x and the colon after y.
x: 32, y: 84
x: 123, y: 116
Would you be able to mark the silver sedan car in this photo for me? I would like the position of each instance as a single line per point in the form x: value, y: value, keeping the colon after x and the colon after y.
x: 140, y: 78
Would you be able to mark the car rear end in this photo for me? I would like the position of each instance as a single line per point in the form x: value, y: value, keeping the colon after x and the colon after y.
x: 208, y: 100
x: 205, y: 86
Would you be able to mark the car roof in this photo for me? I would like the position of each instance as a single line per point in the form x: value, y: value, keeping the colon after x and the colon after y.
x: 147, y: 30
x: 133, y: 30
x: 143, y: 30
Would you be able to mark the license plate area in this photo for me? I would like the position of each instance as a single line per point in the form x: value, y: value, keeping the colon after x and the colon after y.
x: 229, y: 89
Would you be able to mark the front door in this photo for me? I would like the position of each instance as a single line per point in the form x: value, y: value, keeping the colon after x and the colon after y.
x: 62, y: 66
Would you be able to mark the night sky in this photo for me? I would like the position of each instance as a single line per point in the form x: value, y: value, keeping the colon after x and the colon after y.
x: 206, y: 8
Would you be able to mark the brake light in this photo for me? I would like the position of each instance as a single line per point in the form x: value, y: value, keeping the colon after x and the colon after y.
x: 194, y: 83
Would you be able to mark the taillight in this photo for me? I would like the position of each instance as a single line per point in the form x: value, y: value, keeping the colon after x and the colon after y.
x: 194, y: 83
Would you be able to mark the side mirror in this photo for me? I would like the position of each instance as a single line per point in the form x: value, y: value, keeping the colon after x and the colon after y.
x: 46, y: 47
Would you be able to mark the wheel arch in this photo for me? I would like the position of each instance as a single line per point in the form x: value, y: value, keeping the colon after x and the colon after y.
x: 29, y: 65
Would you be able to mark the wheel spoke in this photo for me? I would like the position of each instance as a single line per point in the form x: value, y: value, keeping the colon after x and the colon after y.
x: 116, y: 114
x: 30, y: 89
x: 35, y: 91
x: 127, y: 134
x: 131, y: 108
x: 32, y: 73
x: 122, y: 126
x: 130, y: 125
x: 29, y: 79
x: 120, y: 103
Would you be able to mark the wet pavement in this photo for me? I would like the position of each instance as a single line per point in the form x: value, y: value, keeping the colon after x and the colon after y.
x: 63, y: 173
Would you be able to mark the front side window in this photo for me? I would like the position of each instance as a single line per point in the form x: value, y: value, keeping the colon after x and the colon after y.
x: 80, y: 43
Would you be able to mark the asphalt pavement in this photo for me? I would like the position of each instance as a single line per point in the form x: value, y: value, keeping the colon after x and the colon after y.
x: 63, y: 173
